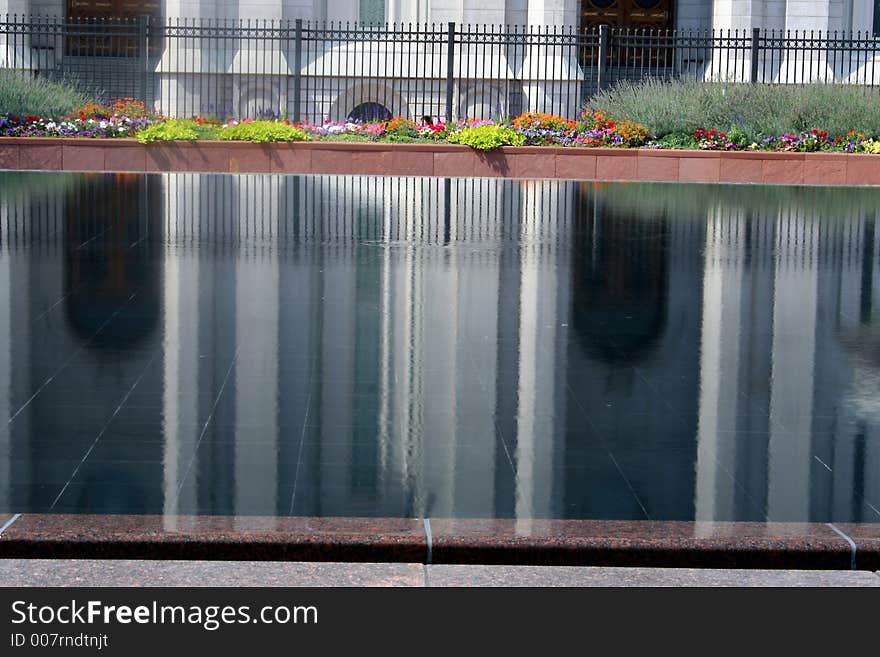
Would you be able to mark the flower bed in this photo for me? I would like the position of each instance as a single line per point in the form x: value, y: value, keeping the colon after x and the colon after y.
x: 593, y: 129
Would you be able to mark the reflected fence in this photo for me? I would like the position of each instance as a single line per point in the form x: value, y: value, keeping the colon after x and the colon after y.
x: 312, y: 72
x: 483, y: 218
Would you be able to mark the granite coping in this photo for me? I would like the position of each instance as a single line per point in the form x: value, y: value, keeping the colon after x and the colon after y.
x: 440, y: 160
x: 444, y: 541
x: 866, y: 537
x: 640, y: 543
x: 440, y: 576
x: 195, y: 574
x: 214, y: 537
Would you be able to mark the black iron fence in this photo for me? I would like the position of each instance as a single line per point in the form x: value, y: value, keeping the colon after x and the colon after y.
x: 318, y: 71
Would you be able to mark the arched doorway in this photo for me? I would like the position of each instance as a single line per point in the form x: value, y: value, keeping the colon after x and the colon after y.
x: 369, y: 111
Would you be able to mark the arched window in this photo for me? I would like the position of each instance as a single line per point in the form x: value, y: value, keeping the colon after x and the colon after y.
x: 370, y: 111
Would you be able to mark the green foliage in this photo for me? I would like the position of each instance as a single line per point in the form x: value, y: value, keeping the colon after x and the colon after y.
x: 352, y: 137
x: 22, y: 95
x: 679, y: 141
x: 263, y: 132
x: 406, y: 139
x: 737, y: 136
x: 872, y: 147
x: 681, y: 107
x: 173, y: 130
x: 487, y: 137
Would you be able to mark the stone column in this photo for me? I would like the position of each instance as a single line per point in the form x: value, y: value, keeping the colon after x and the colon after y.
x: 15, y: 51
x: 552, y: 75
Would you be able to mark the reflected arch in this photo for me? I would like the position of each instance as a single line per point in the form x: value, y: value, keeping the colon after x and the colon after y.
x: 106, y: 218
x: 620, y: 285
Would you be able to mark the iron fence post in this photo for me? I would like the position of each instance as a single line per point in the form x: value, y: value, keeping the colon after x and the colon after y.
x: 602, y: 67
x: 144, y: 25
x: 450, y: 65
x: 297, y: 69
x: 756, y: 35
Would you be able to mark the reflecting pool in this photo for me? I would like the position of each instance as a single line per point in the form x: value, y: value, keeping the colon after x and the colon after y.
x: 358, y: 346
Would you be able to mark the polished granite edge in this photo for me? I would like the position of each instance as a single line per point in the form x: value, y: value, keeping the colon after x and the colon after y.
x: 866, y: 537
x: 538, y: 542
x: 640, y: 543
x: 4, y: 519
x: 440, y: 160
x: 214, y: 538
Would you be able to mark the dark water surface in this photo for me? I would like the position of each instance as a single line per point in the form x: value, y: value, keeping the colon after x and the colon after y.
x: 332, y: 346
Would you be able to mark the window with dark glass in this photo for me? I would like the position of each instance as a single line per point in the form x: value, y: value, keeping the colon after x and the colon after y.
x: 635, y: 14
x: 108, y: 28
x: 372, y: 11
x: 876, y: 17
x: 639, y: 29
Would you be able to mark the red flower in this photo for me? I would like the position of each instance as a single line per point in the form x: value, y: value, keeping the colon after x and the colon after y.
x: 722, y: 135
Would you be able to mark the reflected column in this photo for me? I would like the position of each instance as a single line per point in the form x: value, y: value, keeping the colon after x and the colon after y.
x: 719, y: 363
x: 794, y: 343
x: 538, y: 322
x: 181, y: 338
x: 256, y: 326
x: 5, y: 364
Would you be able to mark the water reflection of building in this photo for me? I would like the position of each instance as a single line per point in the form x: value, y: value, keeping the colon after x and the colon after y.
x: 781, y: 288
x: 82, y: 307
x: 421, y: 347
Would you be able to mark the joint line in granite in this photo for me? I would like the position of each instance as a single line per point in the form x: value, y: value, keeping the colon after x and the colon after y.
x: 852, y: 545
x: 9, y: 523
x: 428, y: 541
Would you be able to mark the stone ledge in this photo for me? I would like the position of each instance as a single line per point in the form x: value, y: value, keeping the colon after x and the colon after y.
x: 753, y: 545
x: 440, y: 160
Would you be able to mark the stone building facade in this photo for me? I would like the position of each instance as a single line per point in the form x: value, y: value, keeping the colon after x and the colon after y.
x: 189, y: 73
x: 855, y: 15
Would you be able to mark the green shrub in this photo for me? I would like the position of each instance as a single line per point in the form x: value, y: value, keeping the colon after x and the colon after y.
x: 871, y: 147
x: 679, y: 141
x: 262, y: 132
x: 173, y: 130
x: 406, y: 139
x: 22, y: 95
x: 487, y: 137
x: 347, y: 137
x: 681, y: 107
